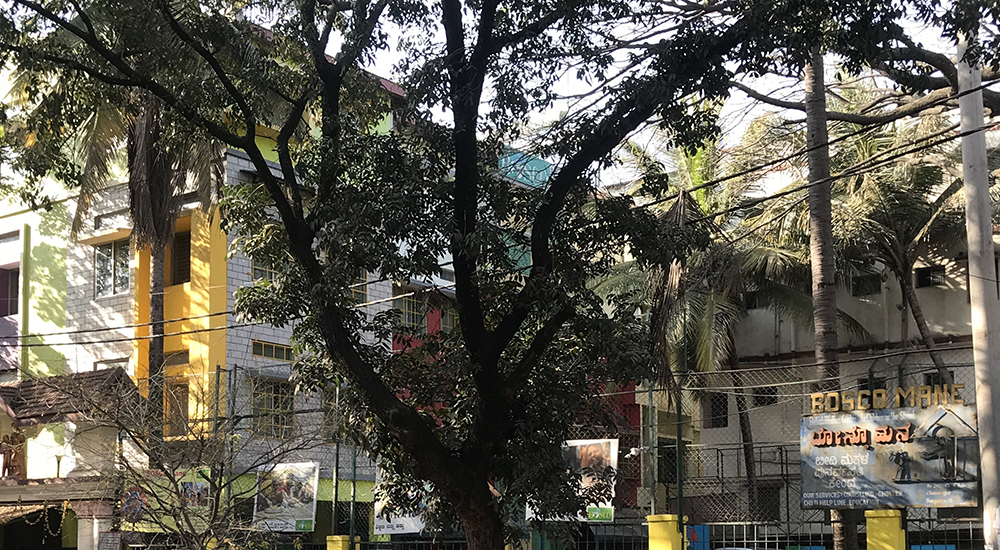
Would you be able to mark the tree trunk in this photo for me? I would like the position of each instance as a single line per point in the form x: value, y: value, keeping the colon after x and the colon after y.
x: 904, y: 316
x: 824, y: 290
x: 481, y: 522
x: 746, y: 430
x: 156, y: 357
x: 906, y: 284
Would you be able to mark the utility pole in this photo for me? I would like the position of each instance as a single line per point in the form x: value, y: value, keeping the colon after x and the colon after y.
x: 336, y: 459
x: 982, y: 284
x: 653, y: 466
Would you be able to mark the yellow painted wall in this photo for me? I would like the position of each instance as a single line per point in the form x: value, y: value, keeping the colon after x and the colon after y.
x: 203, y: 336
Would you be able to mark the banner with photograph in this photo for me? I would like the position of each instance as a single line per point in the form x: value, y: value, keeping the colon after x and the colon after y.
x: 591, y: 457
x: 286, y: 497
x: 196, y: 491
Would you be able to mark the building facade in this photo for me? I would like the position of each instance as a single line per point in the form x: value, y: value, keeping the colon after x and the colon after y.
x: 777, y: 374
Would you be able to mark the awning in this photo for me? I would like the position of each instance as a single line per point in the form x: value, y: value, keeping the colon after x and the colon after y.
x: 13, y: 512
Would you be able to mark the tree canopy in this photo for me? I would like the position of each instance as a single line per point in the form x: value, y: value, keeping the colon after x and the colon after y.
x: 534, y: 345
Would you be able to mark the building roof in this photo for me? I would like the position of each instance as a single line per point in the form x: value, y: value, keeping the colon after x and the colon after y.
x: 66, y: 397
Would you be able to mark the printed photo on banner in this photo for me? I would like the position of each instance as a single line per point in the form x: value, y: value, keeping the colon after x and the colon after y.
x: 194, y: 493
x: 286, y: 497
x: 592, y: 458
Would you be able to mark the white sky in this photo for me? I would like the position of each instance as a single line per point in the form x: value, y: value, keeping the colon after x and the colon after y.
x: 736, y: 115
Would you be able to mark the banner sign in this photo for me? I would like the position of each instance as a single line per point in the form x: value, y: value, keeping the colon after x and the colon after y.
x: 400, y: 525
x: 868, y: 457
x: 286, y: 497
x: 388, y: 524
x: 590, y: 457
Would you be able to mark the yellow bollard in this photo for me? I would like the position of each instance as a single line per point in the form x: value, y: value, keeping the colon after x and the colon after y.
x: 885, y: 530
x: 663, y: 532
x: 338, y: 542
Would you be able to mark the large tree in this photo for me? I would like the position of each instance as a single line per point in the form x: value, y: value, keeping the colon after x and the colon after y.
x: 488, y: 406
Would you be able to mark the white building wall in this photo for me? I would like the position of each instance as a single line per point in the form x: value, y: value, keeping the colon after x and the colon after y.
x: 946, y: 308
x: 246, y: 366
x: 86, y: 314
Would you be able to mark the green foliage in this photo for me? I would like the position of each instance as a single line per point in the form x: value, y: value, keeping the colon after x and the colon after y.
x: 494, y: 399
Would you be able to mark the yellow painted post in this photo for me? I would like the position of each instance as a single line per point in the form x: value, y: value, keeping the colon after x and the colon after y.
x: 664, y: 533
x: 885, y: 530
x: 338, y: 542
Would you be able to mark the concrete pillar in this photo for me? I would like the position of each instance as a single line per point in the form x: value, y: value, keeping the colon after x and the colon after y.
x: 338, y: 542
x: 93, y: 518
x: 664, y: 532
x: 88, y: 531
x: 885, y: 530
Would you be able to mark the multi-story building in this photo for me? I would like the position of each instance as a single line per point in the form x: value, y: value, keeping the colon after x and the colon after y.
x: 48, y: 439
x: 776, y: 377
x: 76, y: 316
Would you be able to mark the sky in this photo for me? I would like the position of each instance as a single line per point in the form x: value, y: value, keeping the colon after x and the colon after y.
x: 736, y: 115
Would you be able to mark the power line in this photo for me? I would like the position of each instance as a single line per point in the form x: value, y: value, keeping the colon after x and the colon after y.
x: 849, y: 172
x: 802, y: 151
x: 182, y: 332
x: 858, y: 169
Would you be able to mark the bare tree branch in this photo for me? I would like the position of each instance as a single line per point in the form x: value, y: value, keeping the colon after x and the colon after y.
x: 909, y: 108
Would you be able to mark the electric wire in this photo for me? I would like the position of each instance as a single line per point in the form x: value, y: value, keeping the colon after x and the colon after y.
x: 804, y: 150
x: 849, y: 172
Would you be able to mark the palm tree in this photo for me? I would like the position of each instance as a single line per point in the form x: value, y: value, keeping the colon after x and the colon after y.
x: 893, y: 214
x: 888, y: 214
x: 129, y: 131
x: 696, y: 302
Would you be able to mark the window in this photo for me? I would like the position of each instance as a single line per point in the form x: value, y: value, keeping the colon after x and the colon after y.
x: 717, y: 410
x: 935, y: 378
x: 764, y: 396
x: 9, y: 279
x: 272, y: 407
x: 866, y: 285
x: 414, y: 311
x: 751, y: 300
x: 180, y: 258
x: 358, y: 291
x: 111, y: 264
x: 272, y: 351
x: 263, y: 273
x: 930, y: 276
x: 176, y: 408
x: 449, y: 316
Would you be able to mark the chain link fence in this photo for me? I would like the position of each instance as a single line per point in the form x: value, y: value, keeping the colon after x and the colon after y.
x: 740, y: 465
